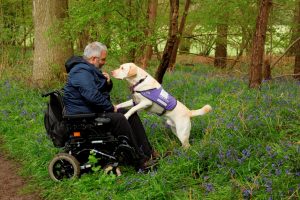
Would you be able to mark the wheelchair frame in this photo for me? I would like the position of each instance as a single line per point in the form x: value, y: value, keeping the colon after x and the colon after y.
x: 87, y: 133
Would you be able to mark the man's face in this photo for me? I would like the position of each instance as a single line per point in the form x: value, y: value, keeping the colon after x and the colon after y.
x: 99, y: 61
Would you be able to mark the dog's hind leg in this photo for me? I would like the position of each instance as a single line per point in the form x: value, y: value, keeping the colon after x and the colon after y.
x: 183, y: 129
x: 172, y: 126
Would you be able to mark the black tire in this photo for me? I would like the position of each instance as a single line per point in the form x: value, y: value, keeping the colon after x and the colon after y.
x: 62, y: 166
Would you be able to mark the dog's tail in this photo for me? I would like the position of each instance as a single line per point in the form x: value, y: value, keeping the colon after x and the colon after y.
x: 202, y: 111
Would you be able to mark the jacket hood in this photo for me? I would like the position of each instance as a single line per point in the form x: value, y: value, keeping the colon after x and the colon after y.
x: 74, y: 60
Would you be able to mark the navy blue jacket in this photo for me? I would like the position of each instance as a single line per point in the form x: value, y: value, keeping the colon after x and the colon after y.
x: 86, y: 90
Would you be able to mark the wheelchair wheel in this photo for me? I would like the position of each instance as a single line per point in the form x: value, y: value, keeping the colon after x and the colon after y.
x: 125, y: 154
x: 62, y: 166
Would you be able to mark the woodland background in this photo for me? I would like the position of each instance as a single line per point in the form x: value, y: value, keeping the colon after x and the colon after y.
x: 246, y: 32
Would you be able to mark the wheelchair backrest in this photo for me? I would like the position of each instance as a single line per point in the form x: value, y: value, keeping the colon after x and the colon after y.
x: 57, y: 105
x: 53, y: 119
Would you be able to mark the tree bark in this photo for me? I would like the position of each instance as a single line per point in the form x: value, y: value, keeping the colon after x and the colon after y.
x: 170, y: 51
x: 132, y: 39
x: 294, y: 30
x: 297, y: 48
x: 179, y: 35
x: 151, y: 18
x: 83, y: 40
x: 49, y: 55
x: 221, y: 46
x: 255, y: 74
x: 267, y: 69
x: 185, y: 44
x: 173, y: 29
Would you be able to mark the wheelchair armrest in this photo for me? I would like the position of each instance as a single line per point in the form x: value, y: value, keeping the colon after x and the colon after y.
x: 80, y: 116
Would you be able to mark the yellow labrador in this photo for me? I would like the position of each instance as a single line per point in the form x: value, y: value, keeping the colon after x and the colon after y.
x: 148, y: 94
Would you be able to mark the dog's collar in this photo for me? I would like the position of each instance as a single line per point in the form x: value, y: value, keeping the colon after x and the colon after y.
x: 140, y: 81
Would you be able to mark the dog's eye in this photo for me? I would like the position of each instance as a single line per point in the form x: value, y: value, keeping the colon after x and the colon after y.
x: 122, y: 68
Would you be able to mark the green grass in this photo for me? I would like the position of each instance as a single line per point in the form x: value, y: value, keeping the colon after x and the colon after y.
x: 247, y: 148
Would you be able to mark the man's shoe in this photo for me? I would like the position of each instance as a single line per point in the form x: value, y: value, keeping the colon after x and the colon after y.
x: 155, y: 155
x: 150, y: 163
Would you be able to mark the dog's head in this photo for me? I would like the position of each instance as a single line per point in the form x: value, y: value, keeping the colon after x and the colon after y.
x: 126, y: 70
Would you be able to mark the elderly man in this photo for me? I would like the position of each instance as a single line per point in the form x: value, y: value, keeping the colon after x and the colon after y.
x: 88, y: 91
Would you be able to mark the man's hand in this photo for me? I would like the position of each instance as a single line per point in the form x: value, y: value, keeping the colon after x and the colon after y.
x: 115, y: 109
x: 106, y: 76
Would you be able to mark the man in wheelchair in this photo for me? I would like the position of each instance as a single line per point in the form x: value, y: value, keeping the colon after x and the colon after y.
x: 92, y: 122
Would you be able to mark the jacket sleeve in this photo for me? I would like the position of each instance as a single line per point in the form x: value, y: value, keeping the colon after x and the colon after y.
x: 85, y: 82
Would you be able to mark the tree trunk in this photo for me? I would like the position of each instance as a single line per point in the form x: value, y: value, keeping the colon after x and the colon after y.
x: 267, y: 69
x: 83, y: 40
x: 255, y: 74
x: 1, y: 25
x: 173, y: 29
x: 295, y: 33
x: 297, y: 48
x: 179, y: 35
x: 151, y: 17
x: 185, y: 44
x: 170, y: 51
x: 221, y: 46
x: 132, y: 39
x: 48, y: 55
x: 244, y: 45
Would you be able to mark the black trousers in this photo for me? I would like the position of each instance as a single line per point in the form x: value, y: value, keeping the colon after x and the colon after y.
x: 133, y: 129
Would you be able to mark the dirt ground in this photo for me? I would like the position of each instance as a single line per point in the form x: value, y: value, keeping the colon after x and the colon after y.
x: 11, y: 184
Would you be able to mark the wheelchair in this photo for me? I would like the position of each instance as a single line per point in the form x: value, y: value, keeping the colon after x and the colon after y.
x: 78, y: 136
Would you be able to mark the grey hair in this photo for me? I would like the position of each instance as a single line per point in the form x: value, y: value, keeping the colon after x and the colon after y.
x: 93, y: 49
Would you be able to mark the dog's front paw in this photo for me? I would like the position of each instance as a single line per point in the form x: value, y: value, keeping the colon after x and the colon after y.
x: 127, y: 116
x: 207, y: 108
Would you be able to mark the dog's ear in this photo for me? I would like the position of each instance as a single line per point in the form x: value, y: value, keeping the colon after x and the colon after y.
x: 132, y: 71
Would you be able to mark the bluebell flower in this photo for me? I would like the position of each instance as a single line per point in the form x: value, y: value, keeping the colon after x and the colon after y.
x: 240, y: 161
x: 5, y: 113
x: 146, y: 121
x: 246, y: 153
x: 24, y: 113
x: 246, y: 193
x: 277, y: 172
x: 228, y: 153
x: 153, y: 126
x: 273, y: 165
x: 230, y: 125
x: 7, y: 84
x: 268, y: 184
x: 232, y: 171
x: 208, y: 187
x: 221, y: 155
x: 268, y: 148
x: 280, y: 162
x: 269, y: 189
x: 273, y: 155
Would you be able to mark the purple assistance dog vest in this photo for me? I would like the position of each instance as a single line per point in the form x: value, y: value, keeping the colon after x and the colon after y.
x: 161, y: 97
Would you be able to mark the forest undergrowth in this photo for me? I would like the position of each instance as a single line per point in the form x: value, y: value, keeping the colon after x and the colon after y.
x: 246, y: 148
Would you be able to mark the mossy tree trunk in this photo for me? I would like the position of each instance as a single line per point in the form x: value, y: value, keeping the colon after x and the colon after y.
x: 297, y: 49
x: 221, y: 45
x: 50, y: 51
